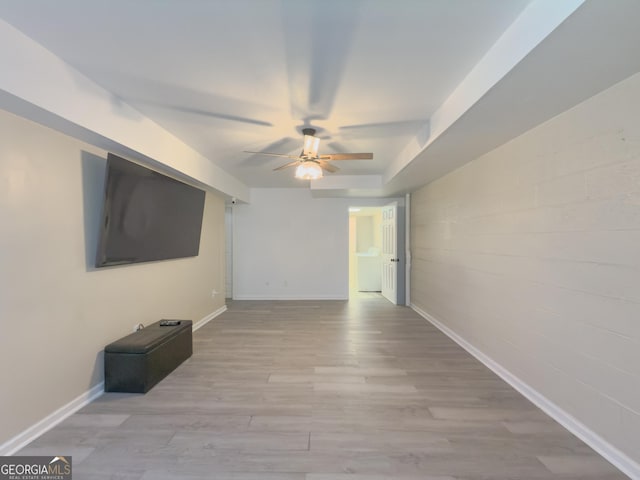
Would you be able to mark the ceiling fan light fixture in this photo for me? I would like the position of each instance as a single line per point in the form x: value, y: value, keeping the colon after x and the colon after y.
x: 310, y: 147
x: 308, y: 171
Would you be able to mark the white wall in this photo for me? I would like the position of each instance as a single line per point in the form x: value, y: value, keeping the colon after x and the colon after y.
x: 531, y: 253
x: 364, y: 233
x: 368, y: 229
x: 289, y: 245
x: 57, y: 312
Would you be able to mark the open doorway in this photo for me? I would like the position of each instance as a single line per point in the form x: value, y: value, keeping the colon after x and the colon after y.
x: 365, y: 248
x: 228, y: 229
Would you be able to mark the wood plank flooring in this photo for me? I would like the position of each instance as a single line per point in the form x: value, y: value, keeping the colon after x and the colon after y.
x: 326, y: 390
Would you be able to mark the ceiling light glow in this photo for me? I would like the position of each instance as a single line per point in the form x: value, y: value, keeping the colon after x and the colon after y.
x: 308, y: 171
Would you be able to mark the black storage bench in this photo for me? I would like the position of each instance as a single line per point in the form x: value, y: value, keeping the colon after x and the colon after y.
x: 137, y: 362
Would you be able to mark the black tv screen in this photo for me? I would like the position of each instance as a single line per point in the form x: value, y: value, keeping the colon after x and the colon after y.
x: 147, y: 216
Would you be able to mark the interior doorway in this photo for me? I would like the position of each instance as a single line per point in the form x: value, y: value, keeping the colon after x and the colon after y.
x: 228, y: 252
x: 365, y: 251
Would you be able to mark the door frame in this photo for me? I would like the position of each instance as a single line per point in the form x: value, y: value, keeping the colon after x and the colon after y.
x: 402, y: 238
x: 402, y: 254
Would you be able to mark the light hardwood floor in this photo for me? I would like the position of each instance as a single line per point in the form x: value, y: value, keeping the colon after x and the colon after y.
x: 326, y: 390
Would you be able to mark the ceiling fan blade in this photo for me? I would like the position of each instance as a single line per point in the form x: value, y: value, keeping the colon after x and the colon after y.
x: 291, y: 164
x: 347, y: 156
x: 327, y: 166
x: 272, y: 154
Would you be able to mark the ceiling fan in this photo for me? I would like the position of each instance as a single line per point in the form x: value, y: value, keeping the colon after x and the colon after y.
x: 309, y: 163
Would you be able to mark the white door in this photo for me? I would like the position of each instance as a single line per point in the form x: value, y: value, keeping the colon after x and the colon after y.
x: 390, y: 253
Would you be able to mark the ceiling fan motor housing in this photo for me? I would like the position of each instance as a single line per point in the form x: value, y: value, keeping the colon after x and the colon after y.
x: 310, y: 144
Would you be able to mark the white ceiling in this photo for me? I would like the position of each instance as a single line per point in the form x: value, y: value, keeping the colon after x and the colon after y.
x: 231, y: 75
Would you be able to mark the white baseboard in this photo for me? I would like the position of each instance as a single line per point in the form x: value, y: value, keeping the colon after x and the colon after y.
x: 30, y: 434
x: 619, y: 459
x: 312, y: 296
x: 203, y: 321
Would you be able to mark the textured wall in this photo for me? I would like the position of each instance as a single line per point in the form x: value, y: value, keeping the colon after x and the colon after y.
x: 57, y: 312
x: 531, y: 253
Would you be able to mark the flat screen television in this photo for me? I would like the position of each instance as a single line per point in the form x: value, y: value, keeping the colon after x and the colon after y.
x: 147, y: 216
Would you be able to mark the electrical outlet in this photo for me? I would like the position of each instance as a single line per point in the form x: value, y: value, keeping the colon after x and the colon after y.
x: 214, y: 292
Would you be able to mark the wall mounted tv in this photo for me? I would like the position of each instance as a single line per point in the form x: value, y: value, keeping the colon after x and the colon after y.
x: 147, y: 216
